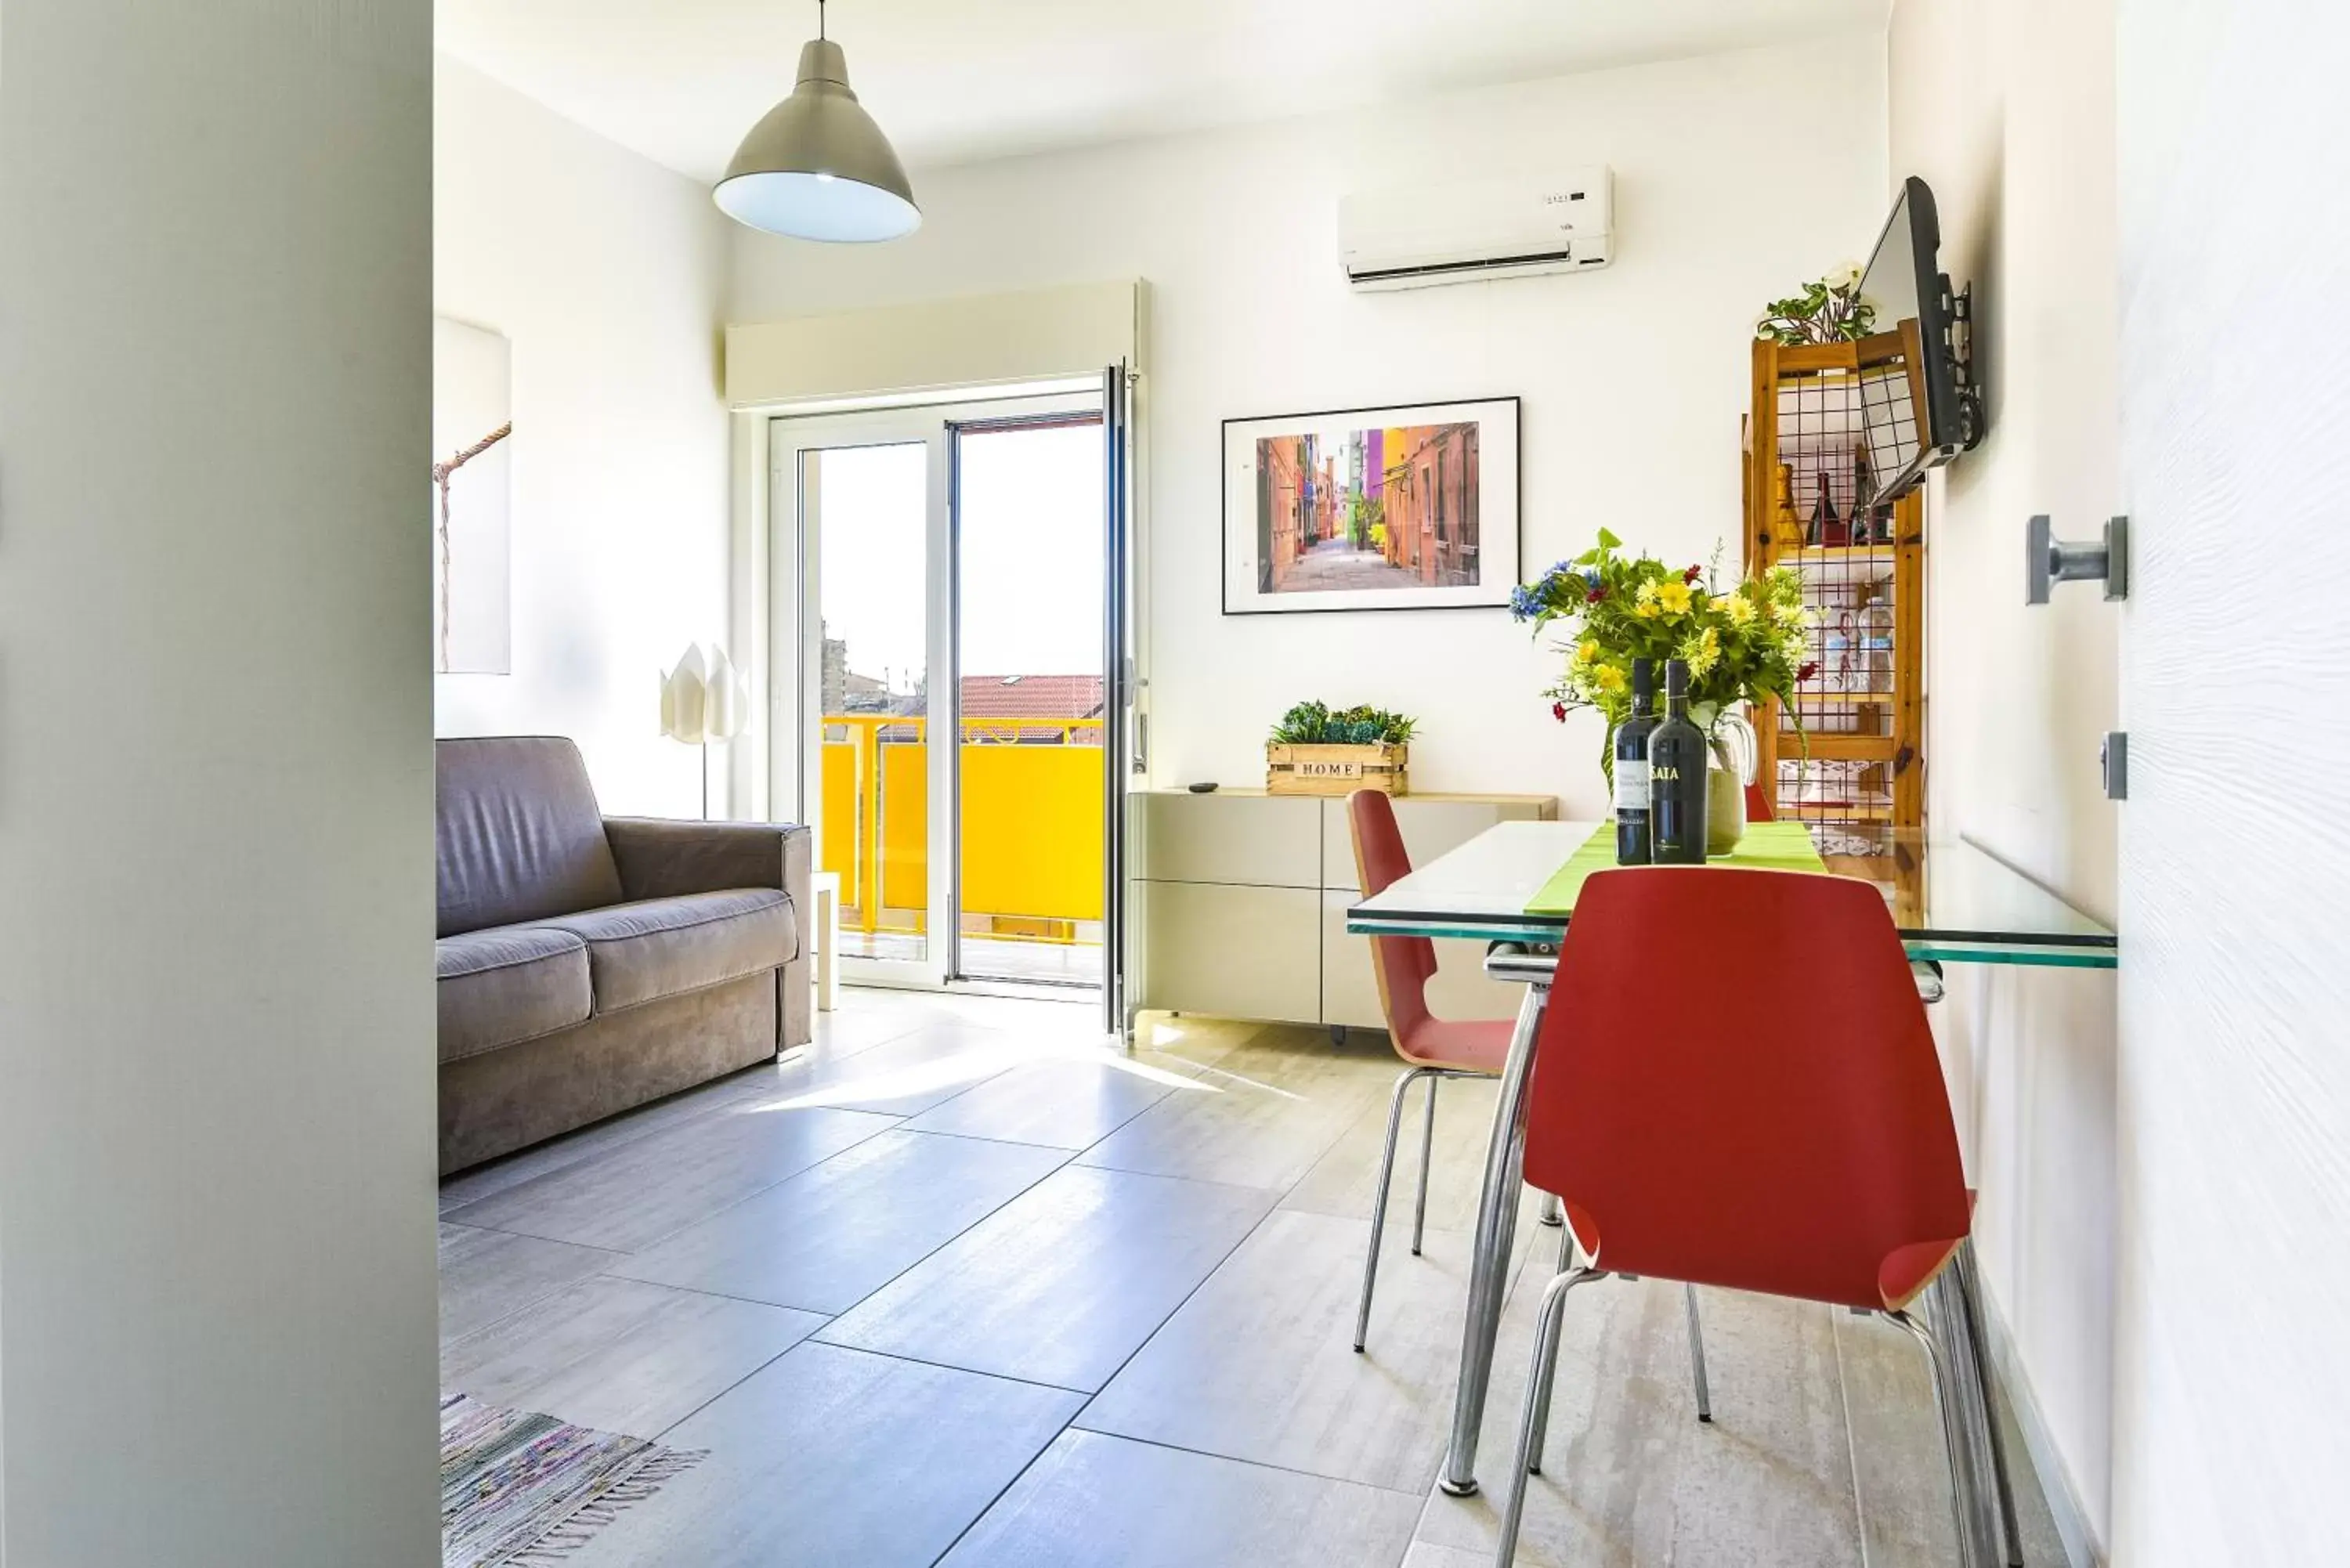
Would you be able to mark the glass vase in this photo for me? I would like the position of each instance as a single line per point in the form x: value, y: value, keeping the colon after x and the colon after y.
x: 1731, y: 739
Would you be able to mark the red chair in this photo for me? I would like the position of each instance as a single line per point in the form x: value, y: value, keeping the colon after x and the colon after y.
x: 1798, y: 1143
x: 1758, y: 804
x: 1433, y: 1048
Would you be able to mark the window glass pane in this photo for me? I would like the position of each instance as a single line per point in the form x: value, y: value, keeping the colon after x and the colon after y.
x: 1030, y: 549
x: 868, y: 506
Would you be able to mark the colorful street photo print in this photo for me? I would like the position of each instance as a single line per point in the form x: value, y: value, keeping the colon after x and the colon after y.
x: 1400, y: 508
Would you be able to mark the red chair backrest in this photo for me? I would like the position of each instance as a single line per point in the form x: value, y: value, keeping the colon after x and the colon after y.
x: 1758, y: 804
x: 1735, y: 1085
x: 1403, y: 964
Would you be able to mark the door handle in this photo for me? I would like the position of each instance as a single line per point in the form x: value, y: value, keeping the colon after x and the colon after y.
x: 2048, y: 560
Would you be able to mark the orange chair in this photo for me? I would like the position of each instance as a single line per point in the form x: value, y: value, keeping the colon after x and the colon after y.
x: 1798, y: 1144
x: 1432, y: 1048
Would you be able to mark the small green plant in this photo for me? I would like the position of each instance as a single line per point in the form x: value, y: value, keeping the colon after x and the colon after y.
x: 1316, y: 725
x: 1829, y: 310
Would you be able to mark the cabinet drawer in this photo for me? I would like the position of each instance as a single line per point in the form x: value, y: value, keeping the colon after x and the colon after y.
x: 1247, y: 839
x: 1232, y: 951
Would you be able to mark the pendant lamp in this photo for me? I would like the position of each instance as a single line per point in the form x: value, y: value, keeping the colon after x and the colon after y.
x: 817, y: 168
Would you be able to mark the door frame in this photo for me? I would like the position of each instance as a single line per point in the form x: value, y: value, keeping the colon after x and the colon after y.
x: 795, y: 639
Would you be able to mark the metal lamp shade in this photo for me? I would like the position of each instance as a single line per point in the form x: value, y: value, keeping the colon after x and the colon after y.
x: 817, y: 168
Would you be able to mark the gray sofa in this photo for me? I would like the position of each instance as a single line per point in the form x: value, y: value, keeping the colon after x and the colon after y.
x: 589, y: 963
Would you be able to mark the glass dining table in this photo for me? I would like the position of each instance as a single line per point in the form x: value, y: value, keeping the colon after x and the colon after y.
x: 1953, y: 902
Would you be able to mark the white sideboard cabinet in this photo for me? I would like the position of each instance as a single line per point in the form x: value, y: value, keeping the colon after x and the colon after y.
x: 1243, y: 898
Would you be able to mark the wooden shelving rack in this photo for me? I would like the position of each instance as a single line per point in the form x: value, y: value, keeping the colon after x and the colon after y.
x: 1839, y: 416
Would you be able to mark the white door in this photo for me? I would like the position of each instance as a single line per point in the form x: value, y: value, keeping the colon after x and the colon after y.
x: 2231, y: 1371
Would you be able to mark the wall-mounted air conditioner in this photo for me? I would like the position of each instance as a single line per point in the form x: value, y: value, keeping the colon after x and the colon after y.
x: 1456, y: 232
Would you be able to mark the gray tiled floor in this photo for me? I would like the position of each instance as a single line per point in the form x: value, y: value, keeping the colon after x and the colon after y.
x: 962, y: 1285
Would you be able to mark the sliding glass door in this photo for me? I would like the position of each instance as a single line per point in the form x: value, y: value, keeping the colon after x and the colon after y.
x: 865, y: 767
x: 948, y: 594
x: 1030, y: 679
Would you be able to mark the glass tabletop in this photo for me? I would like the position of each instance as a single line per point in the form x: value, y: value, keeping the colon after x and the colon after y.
x: 1951, y: 899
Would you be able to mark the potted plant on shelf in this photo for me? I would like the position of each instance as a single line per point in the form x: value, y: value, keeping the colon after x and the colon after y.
x: 1742, y: 643
x: 1829, y: 310
x: 1314, y: 750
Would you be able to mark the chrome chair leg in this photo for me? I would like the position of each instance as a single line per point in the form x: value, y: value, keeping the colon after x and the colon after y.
x: 1970, y: 1292
x: 1697, y: 1355
x: 1379, y: 1201
x: 1957, y: 1442
x: 1568, y: 1263
x: 1533, y: 1425
x: 1427, y: 1153
x: 1551, y: 1212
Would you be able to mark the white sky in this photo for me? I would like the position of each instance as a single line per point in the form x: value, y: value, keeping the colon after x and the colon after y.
x: 1031, y: 554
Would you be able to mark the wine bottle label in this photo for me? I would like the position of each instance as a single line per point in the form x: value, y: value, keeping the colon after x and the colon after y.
x: 1631, y: 784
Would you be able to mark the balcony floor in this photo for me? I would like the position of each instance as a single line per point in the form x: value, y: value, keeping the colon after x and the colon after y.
x: 991, y: 958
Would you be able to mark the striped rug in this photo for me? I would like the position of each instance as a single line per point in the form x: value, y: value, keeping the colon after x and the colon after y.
x: 521, y: 1489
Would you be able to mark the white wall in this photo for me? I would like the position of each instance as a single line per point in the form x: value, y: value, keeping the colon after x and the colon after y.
x: 216, y: 1017
x: 2232, y: 1376
x: 1729, y: 188
x: 606, y: 272
x: 2006, y: 110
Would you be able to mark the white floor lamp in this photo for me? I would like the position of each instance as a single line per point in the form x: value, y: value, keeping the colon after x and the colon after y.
x: 703, y: 699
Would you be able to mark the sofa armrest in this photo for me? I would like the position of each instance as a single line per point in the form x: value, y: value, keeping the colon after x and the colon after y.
x: 659, y: 859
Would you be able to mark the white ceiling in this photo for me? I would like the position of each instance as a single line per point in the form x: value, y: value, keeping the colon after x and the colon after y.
x: 957, y: 80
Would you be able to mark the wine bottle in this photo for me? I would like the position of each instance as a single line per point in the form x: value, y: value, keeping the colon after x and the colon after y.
x: 1827, y: 528
x: 1677, y: 768
x: 1632, y: 767
x: 1863, y: 495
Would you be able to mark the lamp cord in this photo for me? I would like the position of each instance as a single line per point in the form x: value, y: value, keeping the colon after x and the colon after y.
x: 819, y: 20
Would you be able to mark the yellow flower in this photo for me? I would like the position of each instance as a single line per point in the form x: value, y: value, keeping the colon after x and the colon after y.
x: 1611, y: 679
x: 1648, y: 593
x: 1737, y: 606
x: 1588, y: 654
x: 1703, y: 653
x: 1673, y: 597
x: 1648, y: 609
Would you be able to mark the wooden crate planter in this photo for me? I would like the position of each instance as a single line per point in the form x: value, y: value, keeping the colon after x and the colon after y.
x: 1335, y: 770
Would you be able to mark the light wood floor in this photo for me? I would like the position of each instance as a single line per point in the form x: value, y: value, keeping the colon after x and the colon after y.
x: 961, y: 1286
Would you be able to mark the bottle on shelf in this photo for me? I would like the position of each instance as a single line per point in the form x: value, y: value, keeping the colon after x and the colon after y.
x: 1678, y: 760
x: 1632, y: 767
x: 1865, y: 523
x: 1786, y: 523
x: 1827, y: 527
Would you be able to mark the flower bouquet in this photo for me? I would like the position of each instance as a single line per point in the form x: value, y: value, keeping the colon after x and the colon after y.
x: 1742, y: 643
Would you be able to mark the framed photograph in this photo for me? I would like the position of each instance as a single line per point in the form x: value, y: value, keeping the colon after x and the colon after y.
x: 1400, y: 508
x: 473, y: 500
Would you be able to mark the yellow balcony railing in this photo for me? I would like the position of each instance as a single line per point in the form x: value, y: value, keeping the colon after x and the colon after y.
x: 1032, y: 826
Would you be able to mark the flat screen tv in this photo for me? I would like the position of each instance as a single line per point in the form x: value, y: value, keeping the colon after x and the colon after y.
x: 1909, y: 294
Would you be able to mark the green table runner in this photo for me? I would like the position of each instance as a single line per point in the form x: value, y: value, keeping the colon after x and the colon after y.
x: 1767, y: 847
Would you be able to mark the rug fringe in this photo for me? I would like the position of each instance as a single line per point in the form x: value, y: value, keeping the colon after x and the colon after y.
x: 574, y: 1534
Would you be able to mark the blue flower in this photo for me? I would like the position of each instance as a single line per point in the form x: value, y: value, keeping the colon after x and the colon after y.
x: 1525, y: 603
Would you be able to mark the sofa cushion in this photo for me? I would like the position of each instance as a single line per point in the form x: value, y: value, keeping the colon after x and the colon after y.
x: 519, y: 834
x: 664, y: 946
x: 508, y: 984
